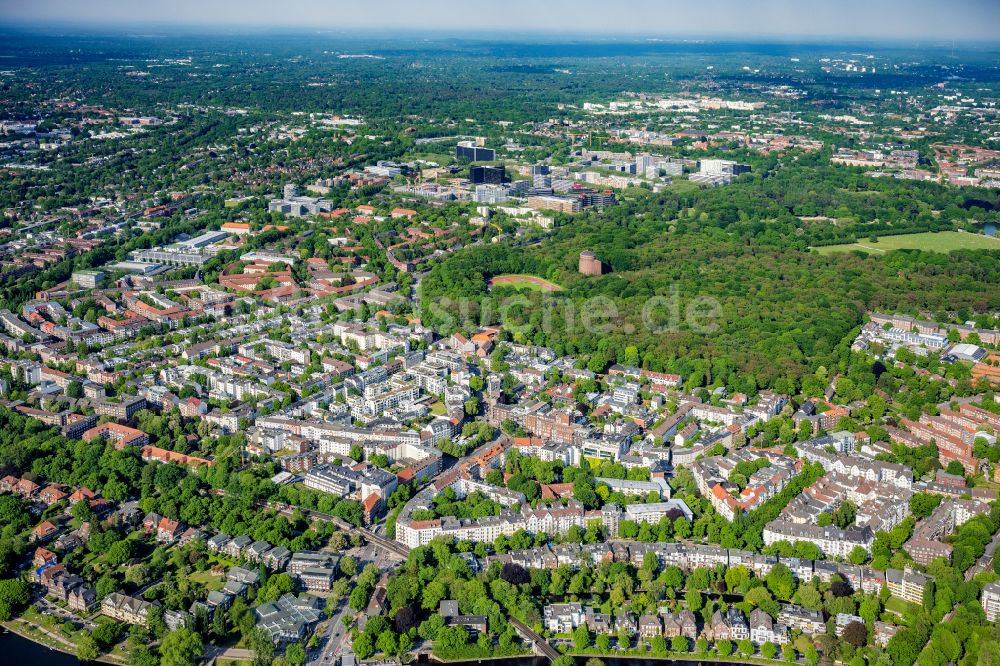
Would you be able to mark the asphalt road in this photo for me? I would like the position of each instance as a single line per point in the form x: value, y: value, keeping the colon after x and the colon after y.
x: 336, y: 637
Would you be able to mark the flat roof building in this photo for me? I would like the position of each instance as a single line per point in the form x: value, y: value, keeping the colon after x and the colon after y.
x: 469, y: 150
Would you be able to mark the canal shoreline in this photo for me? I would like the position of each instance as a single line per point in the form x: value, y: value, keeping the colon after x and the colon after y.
x: 619, y: 659
x: 67, y: 656
x: 13, y: 627
x: 11, y: 630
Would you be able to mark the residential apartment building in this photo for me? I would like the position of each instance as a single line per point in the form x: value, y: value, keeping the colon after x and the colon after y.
x: 907, y: 585
x: 803, y: 619
x: 123, y: 608
x: 562, y: 618
x: 831, y: 540
x: 991, y: 601
x: 764, y: 630
x: 123, y: 410
x: 122, y: 436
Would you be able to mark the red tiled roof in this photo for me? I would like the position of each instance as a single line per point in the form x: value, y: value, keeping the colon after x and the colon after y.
x: 44, y: 527
x: 423, y: 524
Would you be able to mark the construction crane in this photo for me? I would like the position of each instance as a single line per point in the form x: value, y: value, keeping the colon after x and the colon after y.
x: 241, y: 451
x: 573, y: 136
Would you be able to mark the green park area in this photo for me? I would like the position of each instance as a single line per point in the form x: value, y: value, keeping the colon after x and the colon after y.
x: 942, y: 241
x: 521, y: 281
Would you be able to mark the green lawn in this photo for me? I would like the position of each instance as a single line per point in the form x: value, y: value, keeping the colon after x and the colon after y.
x: 900, y: 607
x: 439, y: 409
x: 442, y: 158
x: 215, y: 558
x: 942, y: 241
x: 683, y: 185
x: 801, y: 643
x: 208, y: 579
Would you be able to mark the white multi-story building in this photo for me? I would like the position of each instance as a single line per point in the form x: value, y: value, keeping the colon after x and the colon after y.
x: 843, y: 620
x: 831, y: 540
x: 377, y: 405
x: 855, y: 467
x: 431, y: 377
x: 908, y: 585
x: 715, y: 414
x: 491, y: 194
x: 657, y: 485
x: 563, y: 618
x: 603, y: 449
x: 991, y: 601
x: 89, y: 279
x: 807, y: 621
x: 333, y: 479
x: 721, y: 168
x: 297, y: 206
x: 652, y: 513
x: 415, y: 533
x: 764, y: 630
x: 277, y: 349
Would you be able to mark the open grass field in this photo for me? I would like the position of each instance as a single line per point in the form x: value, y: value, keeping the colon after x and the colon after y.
x: 683, y: 185
x: 942, y: 241
x: 208, y: 579
x: 899, y: 606
x: 431, y: 156
x: 525, y: 282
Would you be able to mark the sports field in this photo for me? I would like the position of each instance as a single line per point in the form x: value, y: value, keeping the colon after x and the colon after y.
x: 525, y: 282
x: 941, y: 241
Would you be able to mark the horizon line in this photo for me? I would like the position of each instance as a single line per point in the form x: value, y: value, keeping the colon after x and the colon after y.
x: 124, y: 28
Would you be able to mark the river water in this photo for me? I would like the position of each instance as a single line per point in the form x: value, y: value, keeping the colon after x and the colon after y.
x: 16, y: 651
x: 609, y: 661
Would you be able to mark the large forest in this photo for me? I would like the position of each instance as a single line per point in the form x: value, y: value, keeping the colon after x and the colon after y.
x: 784, y: 310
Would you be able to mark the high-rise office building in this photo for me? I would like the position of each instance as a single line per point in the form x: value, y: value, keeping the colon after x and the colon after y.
x: 468, y: 150
x: 722, y: 168
x: 643, y: 163
x: 487, y: 175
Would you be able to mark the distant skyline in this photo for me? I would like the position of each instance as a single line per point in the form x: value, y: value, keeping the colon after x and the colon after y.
x: 924, y: 20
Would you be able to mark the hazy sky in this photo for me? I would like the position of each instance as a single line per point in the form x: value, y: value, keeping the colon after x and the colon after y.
x: 891, y: 19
